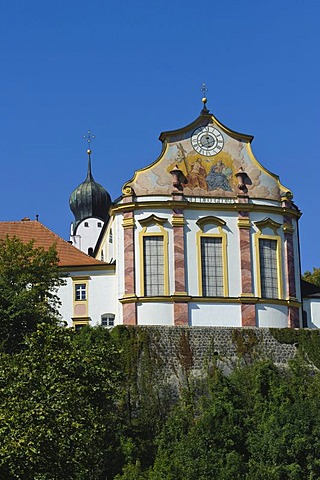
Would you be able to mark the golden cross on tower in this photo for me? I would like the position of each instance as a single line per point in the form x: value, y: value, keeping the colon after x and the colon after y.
x: 89, y: 137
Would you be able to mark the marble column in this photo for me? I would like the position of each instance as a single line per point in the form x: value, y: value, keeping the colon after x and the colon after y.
x: 129, y: 297
x: 180, y: 307
x: 248, y: 309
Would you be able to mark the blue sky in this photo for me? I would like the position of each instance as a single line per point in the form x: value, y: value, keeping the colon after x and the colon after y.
x: 128, y: 70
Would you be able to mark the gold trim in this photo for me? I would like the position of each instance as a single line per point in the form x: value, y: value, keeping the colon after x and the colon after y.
x: 196, y: 299
x: 244, y: 223
x: 128, y: 298
x: 79, y: 281
x: 288, y: 228
x: 178, y: 221
x: 128, y: 223
x: 77, y: 321
x: 127, y: 191
x: 268, y: 223
x: 202, y: 222
x: 257, y: 236
x: 223, y: 237
x: 248, y: 298
x: 152, y: 219
x: 81, y: 277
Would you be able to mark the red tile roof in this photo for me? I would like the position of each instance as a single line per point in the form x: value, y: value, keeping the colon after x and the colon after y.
x: 27, y: 230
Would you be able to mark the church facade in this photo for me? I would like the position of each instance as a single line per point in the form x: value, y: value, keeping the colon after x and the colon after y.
x: 204, y: 236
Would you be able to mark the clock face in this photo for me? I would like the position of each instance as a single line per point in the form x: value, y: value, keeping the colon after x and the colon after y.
x: 207, y: 140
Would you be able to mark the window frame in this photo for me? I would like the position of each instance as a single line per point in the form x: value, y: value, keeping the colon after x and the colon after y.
x: 82, y: 284
x: 223, y: 236
x: 261, y: 236
x: 270, y: 225
x: 148, y: 231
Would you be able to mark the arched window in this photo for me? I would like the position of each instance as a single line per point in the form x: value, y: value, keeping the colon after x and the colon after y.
x: 107, y: 319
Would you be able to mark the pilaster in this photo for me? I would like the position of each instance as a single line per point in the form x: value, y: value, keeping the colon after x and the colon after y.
x: 129, y: 307
x: 180, y: 308
x: 291, y: 291
x: 248, y: 309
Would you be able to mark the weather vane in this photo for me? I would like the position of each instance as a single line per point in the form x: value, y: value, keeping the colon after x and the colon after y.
x: 89, y: 138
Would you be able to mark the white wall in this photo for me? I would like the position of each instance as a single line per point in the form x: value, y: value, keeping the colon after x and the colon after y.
x: 312, y: 308
x: 86, y: 237
x: 272, y: 316
x: 214, y: 314
x: 155, y: 313
x: 101, y: 296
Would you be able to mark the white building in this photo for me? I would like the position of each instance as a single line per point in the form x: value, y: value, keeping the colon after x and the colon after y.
x: 205, y: 235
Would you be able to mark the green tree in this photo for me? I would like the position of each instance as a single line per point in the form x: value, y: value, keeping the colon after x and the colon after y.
x: 29, y: 279
x: 284, y: 435
x: 313, y: 277
x: 206, y: 442
x: 58, y: 400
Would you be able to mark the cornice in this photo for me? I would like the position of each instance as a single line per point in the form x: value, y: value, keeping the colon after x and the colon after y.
x: 233, y: 207
x: 291, y: 302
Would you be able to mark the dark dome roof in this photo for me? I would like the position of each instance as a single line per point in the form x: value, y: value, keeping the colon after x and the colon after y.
x: 89, y: 199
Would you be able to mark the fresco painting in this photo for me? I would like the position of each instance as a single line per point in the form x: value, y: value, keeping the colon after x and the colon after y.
x: 212, y: 176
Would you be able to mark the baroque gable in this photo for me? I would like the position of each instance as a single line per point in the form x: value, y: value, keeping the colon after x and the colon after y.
x: 209, y: 154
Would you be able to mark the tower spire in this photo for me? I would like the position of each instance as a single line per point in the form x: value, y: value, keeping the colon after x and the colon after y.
x: 89, y: 137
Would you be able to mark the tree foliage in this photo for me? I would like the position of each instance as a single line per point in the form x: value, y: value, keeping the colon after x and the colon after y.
x: 58, y: 399
x: 29, y: 279
x: 91, y: 405
x: 312, y: 277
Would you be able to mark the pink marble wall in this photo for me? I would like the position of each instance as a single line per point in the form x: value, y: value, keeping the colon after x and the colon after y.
x: 289, y: 260
x: 248, y: 314
x: 245, y: 260
x: 129, y: 312
x: 179, y: 261
x: 180, y: 309
x: 129, y: 309
x: 248, y: 310
x: 181, y: 313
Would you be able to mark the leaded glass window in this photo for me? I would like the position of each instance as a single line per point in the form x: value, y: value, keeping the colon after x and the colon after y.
x: 268, y: 268
x: 212, y: 267
x: 153, y: 252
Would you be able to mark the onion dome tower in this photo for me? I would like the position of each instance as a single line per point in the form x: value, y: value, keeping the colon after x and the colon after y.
x: 90, y: 204
x: 89, y: 199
